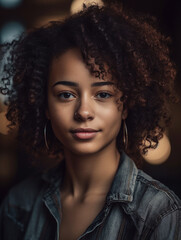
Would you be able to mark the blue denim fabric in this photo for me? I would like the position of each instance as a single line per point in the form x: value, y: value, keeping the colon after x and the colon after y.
x: 137, y: 207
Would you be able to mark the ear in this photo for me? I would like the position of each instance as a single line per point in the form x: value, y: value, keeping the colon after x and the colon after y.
x: 125, y: 113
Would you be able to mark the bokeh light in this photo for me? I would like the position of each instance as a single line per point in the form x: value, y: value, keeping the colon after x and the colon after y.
x: 10, y: 31
x: 77, y: 5
x: 10, y: 3
x: 160, y: 154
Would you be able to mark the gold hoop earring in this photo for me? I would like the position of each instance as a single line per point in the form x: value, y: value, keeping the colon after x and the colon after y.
x: 45, y: 136
x: 125, y: 135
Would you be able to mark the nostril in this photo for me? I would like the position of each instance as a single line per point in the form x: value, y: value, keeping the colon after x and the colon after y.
x: 83, y: 116
x: 77, y: 116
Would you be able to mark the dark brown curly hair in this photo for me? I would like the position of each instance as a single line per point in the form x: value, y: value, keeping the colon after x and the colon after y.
x: 135, y: 52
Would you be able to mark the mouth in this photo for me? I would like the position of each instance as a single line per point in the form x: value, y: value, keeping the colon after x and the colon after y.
x: 84, y: 133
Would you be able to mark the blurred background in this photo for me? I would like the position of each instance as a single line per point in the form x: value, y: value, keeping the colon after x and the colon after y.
x: 17, y: 16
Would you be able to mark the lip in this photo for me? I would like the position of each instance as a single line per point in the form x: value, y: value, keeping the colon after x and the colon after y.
x: 84, y: 133
x: 84, y: 130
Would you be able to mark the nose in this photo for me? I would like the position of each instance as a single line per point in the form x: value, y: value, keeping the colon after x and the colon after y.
x: 84, y: 110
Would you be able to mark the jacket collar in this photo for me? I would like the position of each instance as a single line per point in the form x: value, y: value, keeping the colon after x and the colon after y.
x: 122, y: 187
x: 123, y: 184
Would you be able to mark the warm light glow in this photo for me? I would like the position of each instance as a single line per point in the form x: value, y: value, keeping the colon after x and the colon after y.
x: 46, y: 19
x: 77, y: 5
x: 4, y: 123
x: 8, y: 167
x: 161, y: 153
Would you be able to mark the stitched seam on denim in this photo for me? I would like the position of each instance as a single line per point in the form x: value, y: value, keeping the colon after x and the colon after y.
x: 131, y: 212
x: 154, y: 185
x: 163, y: 214
x: 17, y: 207
x: 128, y: 190
x: 156, y: 222
x: 102, y: 224
x: 56, y: 201
x: 99, y: 230
x: 99, y: 225
x: 178, y: 222
x: 87, y: 233
x: 51, y: 190
x: 121, y: 229
x: 16, y: 222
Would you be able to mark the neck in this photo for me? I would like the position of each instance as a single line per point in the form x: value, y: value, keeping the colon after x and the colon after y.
x: 90, y: 174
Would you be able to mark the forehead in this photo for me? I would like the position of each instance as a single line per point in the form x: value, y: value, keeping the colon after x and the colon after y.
x: 70, y: 66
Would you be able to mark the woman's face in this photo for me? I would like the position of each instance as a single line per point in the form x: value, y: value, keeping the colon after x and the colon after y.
x: 85, y: 111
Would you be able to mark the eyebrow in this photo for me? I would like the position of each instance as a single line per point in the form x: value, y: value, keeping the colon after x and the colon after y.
x: 73, y: 84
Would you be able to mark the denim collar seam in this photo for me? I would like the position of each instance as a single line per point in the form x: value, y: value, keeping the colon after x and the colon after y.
x: 124, y: 193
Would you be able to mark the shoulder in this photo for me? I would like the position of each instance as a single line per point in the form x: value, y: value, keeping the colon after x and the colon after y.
x: 154, y: 192
x: 24, y: 193
x: 17, y: 206
x: 154, y: 204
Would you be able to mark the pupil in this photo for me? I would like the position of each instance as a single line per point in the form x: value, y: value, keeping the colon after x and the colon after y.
x: 103, y: 94
x: 66, y: 95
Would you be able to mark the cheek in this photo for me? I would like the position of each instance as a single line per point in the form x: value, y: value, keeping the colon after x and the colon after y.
x: 59, y: 117
x: 112, y: 117
x: 115, y: 123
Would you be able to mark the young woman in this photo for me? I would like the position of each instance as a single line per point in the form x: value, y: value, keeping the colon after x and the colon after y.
x: 94, y: 88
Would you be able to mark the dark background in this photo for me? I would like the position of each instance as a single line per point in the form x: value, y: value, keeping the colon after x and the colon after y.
x: 14, y: 161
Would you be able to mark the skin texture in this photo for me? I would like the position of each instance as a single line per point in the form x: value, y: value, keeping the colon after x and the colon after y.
x: 91, y: 109
x: 91, y: 163
x: 102, y: 113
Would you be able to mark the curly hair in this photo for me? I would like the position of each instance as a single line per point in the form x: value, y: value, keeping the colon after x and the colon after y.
x: 135, y: 52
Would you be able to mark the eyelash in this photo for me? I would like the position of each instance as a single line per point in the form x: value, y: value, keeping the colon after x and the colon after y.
x: 103, y: 92
x: 69, y: 93
x: 63, y: 93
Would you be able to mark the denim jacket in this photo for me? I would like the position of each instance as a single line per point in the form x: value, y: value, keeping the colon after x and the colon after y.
x: 136, y: 207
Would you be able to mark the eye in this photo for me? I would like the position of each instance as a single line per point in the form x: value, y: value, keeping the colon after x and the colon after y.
x: 66, y: 95
x: 104, y: 95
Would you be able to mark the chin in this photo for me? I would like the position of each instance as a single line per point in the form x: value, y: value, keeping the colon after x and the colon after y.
x: 85, y: 150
